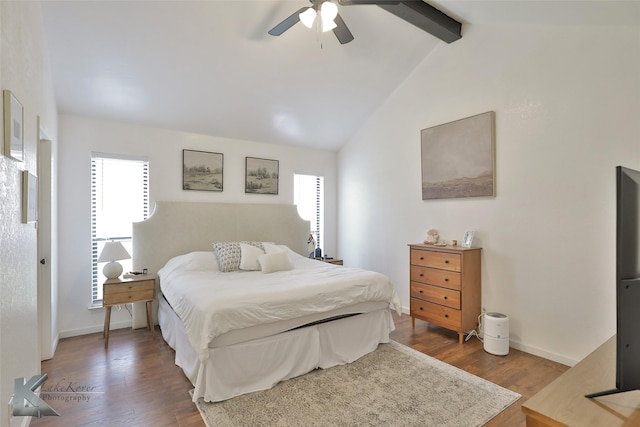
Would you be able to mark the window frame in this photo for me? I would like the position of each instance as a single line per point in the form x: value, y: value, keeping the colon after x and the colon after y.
x: 317, y: 223
x: 96, y: 242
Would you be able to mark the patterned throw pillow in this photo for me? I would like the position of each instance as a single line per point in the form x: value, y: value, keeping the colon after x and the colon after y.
x: 229, y: 254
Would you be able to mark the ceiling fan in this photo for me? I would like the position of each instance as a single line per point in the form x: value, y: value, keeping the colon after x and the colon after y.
x: 416, y: 12
x: 329, y: 19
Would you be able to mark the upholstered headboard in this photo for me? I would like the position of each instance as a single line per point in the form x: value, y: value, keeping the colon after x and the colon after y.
x: 177, y: 228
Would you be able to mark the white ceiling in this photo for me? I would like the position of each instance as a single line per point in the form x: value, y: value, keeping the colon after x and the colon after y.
x: 210, y: 67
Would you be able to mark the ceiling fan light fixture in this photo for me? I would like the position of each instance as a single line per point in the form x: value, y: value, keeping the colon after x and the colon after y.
x: 328, y: 12
x: 328, y: 25
x: 307, y: 17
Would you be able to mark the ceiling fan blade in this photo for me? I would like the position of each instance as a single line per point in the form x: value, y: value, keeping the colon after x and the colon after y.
x: 341, y: 31
x: 287, y: 23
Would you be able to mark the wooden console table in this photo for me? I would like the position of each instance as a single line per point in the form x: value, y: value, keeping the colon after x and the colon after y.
x: 562, y: 403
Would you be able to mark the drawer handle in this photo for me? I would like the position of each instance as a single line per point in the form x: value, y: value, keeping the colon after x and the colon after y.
x: 421, y: 258
x: 420, y: 291
x: 421, y: 274
x: 446, y: 279
x: 446, y: 315
x: 420, y: 308
x: 446, y: 261
x: 446, y: 297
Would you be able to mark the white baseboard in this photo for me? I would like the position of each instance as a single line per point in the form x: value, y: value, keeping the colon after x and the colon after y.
x: 544, y: 354
x: 93, y: 329
x: 529, y: 349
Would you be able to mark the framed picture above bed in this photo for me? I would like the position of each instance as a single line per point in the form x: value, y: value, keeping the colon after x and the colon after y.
x: 202, y: 170
x: 261, y: 176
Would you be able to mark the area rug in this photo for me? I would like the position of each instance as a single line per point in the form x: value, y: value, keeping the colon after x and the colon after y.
x: 392, y: 386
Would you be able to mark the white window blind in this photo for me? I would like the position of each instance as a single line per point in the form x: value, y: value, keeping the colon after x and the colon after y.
x: 119, y: 197
x: 309, y: 198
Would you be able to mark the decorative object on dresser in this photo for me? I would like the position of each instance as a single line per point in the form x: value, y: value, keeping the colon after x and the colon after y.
x: 432, y: 237
x: 139, y: 288
x: 202, y: 170
x: 112, y: 252
x: 458, y: 158
x: 445, y: 286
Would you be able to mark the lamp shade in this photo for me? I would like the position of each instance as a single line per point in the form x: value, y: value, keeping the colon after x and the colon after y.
x: 112, y: 252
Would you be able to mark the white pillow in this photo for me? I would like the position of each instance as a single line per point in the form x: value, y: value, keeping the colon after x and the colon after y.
x: 201, y: 260
x: 249, y: 257
x: 271, y: 248
x: 278, y: 261
x: 228, y: 254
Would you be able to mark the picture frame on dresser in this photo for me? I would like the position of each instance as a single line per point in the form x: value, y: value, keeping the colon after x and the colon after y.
x: 468, y: 239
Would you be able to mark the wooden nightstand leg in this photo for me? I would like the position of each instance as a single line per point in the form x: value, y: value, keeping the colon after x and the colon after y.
x: 149, y: 321
x: 413, y: 322
x: 107, y: 321
x: 460, y: 337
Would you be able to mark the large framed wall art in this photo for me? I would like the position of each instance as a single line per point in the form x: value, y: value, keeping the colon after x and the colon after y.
x: 458, y: 158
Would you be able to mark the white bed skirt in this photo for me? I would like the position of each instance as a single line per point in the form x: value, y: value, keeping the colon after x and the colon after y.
x: 261, y: 363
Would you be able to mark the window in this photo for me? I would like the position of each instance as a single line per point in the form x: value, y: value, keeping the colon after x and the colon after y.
x: 119, y: 196
x: 309, y: 197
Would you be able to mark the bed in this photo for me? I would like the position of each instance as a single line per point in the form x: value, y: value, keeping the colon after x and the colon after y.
x: 279, y: 316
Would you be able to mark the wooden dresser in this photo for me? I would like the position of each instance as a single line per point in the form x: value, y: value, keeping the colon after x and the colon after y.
x: 445, y: 286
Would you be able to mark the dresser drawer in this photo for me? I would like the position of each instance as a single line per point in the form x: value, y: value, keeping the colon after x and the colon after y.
x: 432, y: 276
x: 438, y: 314
x: 432, y: 259
x: 436, y: 295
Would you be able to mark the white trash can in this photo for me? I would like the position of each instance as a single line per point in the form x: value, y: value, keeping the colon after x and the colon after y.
x: 496, y: 334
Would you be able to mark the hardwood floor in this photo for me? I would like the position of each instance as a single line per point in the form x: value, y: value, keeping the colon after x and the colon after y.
x: 135, y: 382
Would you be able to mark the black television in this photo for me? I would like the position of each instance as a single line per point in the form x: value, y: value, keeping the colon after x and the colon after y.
x: 627, y: 282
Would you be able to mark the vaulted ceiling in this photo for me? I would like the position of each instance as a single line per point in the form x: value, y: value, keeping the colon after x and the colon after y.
x: 210, y: 67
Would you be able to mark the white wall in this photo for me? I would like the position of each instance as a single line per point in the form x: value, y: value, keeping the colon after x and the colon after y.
x: 80, y: 136
x: 567, y: 102
x: 23, y: 70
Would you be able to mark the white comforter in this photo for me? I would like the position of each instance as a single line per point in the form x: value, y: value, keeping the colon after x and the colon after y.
x: 210, y: 302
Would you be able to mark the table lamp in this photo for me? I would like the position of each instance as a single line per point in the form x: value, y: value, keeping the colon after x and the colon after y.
x: 112, y: 252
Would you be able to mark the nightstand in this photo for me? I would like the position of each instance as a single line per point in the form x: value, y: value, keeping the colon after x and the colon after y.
x: 140, y: 288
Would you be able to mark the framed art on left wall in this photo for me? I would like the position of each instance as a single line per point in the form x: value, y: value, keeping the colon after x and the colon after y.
x: 13, y: 126
x: 29, y: 197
